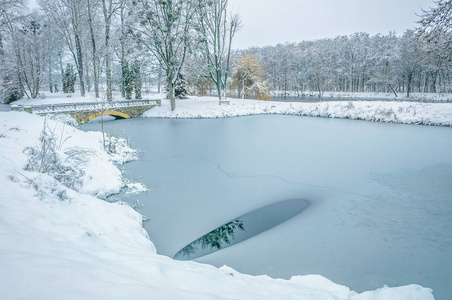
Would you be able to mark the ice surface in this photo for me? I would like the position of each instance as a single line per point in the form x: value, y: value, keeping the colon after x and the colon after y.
x: 381, y: 195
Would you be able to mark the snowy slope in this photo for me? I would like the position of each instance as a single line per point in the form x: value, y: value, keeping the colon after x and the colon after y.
x: 439, y: 114
x: 81, y: 247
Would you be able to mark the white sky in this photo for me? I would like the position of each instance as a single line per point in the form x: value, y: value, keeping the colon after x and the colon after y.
x: 269, y: 22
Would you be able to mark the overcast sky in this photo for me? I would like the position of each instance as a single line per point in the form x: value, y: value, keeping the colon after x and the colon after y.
x: 269, y: 22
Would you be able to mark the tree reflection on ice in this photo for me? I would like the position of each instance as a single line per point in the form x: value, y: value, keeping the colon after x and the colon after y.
x: 242, y: 228
x: 214, y: 240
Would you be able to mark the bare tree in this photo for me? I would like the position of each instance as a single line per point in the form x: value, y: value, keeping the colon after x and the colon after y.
x: 30, y: 54
x: 436, y: 23
x: 90, y: 6
x: 411, y: 57
x: 66, y: 14
x: 109, y: 8
x: 12, y: 12
x: 125, y: 47
x: 216, y: 29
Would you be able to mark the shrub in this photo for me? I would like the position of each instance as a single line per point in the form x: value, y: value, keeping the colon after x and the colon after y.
x: 44, y: 158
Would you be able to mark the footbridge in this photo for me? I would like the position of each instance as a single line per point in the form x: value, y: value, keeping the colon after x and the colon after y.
x: 82, y: 112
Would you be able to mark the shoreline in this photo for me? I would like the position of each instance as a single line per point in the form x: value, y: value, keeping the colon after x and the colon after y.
x: 427, y: 114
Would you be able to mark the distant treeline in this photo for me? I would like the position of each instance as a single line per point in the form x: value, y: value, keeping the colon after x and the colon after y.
x: 357, y: 63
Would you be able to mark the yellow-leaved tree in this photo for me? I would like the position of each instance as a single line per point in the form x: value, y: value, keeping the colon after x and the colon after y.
x: 247, y: 78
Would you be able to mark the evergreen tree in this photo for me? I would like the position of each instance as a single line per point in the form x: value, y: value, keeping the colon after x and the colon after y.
x: 69, y: 79
x: 11, y: 90
x: 128, y: 80
x: 180, y: 88
x: 136, y: 70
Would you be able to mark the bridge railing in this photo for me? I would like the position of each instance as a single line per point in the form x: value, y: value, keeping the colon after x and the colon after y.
x: 83, y: 106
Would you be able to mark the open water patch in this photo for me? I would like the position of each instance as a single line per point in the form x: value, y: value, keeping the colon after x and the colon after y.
x: 242, y: 228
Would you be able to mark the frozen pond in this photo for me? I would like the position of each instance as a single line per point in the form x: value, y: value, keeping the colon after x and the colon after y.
x: 380, y: 195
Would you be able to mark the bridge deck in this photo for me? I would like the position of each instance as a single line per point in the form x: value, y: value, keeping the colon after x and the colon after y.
x: 84, y: 111
x: 83, y: 106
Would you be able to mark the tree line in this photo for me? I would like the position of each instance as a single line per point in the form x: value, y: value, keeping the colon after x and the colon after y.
x: 417, y: 61
x: 357, y: 63
x: 124, y: 46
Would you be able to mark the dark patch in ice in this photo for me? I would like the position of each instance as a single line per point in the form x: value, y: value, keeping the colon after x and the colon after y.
x: 242, y: 228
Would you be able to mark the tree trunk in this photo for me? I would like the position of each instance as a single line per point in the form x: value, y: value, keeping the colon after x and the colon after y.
x: 94, y: 50
x: 390, y: 86
x: 434, y: 77
x: 49, y: 75
x: 218, y: 84
x: 123, y: 55
x: 108, y: 66
x: 137, y: 79
x: 409, y: 79
x: 171, y: 93
x: 80, y: 65
x: 107, y: 18
x: 159, y: 80
x: 61, y: 69
x: 78, y: 47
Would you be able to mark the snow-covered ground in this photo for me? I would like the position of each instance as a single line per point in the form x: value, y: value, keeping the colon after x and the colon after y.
x: 439, y: 114
x: 57, y: 242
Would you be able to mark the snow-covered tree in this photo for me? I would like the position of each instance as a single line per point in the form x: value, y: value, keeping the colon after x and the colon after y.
x: 128, y: 80
x: 411, y: 57
x: 132, y: 79
x: 164, y: 30
x: 91, y: 8
x: 30, y: 55
x: 436, y: 23
x: 247, y: 78
x: 216, y: 29
x: 23, y: 52
x: 69, y: 79
x: 180, y: 88
x: 67, y: 15
x: 12, y: 14
x: 137, y: 81
x: 109, y: 8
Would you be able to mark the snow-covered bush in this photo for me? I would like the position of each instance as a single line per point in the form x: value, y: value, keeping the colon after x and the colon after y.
x: 63, y: 118
x: 119, y: 150
x: 46, y: 158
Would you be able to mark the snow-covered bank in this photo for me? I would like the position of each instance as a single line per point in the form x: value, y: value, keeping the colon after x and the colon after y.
x: 438, y: 114
x: 426, y: 97
x: 57, y: 242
